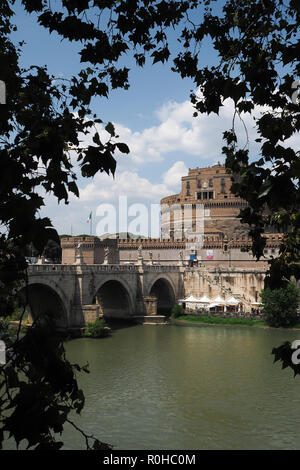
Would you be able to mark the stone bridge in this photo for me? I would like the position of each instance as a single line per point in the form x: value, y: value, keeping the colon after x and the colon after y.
x: 79, y: 293
x: 75, y: 294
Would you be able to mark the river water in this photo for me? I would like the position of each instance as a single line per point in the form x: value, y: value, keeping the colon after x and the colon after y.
x: 170, y: 387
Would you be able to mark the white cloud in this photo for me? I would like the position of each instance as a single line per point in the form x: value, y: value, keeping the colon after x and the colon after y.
x: 172, y: 177
x: 104, y: 189
x: 177, y: 131
x: 135, y: 187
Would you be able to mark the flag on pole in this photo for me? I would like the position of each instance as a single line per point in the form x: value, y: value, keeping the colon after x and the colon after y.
x: 89, y: 219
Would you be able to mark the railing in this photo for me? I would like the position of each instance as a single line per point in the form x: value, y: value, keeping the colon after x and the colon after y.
x: 161, y: 268
x: 42, y: 268
x: 64, y: 268
x: 223, y: 269
x: 227, y: 290
x: 108, y: 268
x: 224, y: 286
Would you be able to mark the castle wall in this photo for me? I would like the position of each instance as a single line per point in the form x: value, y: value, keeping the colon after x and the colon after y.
x: 245, y: 284
x: 92, y: 250
x: 216, y: 250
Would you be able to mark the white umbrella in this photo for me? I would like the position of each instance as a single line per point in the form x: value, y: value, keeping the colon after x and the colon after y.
x: 232, y: 301
x: 191, y: 298
x: 219, y: 300
x: 205, y: 300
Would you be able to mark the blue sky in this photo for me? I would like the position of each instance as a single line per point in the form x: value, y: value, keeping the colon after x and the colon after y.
x: 154, y: 117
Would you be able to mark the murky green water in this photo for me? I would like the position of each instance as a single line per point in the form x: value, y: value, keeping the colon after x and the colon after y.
x: 168, y: 387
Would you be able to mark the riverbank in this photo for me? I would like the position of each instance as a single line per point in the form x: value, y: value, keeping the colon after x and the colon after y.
x: 199, y: 320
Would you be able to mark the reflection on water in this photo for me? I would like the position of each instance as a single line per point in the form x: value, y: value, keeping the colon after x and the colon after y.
x: 168, y: 387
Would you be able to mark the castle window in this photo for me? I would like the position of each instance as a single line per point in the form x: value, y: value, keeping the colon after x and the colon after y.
x: 204, y: 195
x: 199, y: 183
x: 223, y: 185
x: 210, y: 184
x: 188, y: 188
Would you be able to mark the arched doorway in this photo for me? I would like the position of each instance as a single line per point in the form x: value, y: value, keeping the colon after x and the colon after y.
x: 163, y: 291
x: 44, y: 305
x: 114, y: 301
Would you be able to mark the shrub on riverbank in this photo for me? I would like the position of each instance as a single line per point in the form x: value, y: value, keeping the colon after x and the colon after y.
x: 221, y: 320
x: 19, y: 313
x: 177, y: 311
x: 97, y: 329
x: 279, y: 306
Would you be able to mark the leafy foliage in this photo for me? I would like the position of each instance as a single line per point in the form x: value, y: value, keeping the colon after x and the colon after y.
x: 52, y: 250
x: 39, y: 389
x: 177, y: 311
x: 258, y: 48
x: 96, y: 329
x: 279, y: 306
x: 284, y: 354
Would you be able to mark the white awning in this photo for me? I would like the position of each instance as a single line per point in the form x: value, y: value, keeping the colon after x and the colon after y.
x: 205, y: 300
x: 232, y: 301
x: 191, y: 298
x: 219, y: 300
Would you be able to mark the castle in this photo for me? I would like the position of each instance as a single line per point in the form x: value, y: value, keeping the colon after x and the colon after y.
x: 199, y: 226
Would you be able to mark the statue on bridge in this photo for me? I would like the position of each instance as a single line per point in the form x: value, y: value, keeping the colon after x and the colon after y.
x: 78, y: 254
x: 106, y: 255
x: 140, y: 254
x: 180, y: 258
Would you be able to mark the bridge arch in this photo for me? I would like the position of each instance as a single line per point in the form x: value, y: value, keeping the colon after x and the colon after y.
x: 114, y: 298
x: 163, y: 289
x: 46, y: 303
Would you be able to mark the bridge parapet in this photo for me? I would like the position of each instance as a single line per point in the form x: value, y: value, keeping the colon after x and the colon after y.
x: 108, y: 268
x: 224, y: 270
x: 42, y: 268
x: 161, y: 269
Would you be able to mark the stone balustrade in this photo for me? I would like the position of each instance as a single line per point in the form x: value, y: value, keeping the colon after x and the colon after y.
x: 41, y: 268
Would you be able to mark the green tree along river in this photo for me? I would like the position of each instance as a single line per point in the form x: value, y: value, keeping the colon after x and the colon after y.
x: 170, y: 387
